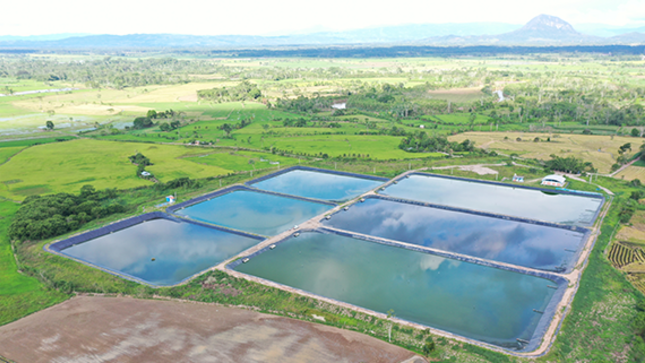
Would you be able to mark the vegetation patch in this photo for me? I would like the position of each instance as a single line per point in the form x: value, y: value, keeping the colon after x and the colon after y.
x: 20, y: 295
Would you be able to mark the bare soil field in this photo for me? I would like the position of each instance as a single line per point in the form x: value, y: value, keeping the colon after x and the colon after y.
x: 468, y: 94
x: 598, y: 149
x: 116, y: 329
x: 632, y: 172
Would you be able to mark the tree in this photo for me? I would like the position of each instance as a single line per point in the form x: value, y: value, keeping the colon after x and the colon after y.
x: 227, y: 128
x: 428, y: 347
x: 151, y: 114
x: 49, y: 125
x: 635, y: 132
x: 141, y: 123
x: 390, y: 315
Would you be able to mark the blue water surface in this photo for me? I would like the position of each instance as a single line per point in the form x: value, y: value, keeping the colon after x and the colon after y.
x: 179, y: 250
x: 255, y: 212
x: 318, y: 185
x: 507, y: 200
x: 524, y: 244
x: 479, y: 302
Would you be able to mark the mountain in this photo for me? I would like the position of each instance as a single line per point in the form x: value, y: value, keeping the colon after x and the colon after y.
x: 541, y: 30
x: 546, y: 29
x: 604, y: 30
x: 46, y: 37
x: 629, y: 38
x: 388, y: 34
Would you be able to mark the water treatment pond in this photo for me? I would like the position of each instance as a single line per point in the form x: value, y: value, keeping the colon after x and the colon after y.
x: 179, y: 249
x: 318, y: 185
x: 475, y: 301
x: 518, y: 202
x: 498, y: 239
x: 254, y: 212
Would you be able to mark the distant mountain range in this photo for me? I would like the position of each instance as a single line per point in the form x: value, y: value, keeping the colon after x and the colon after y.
x: 541, y: 30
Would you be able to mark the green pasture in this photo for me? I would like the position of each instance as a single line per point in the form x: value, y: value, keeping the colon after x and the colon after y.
x: 7, y: 152
x: 20, y: 295
x: 459, y: 119
x: 243, y: 160
x: 33, y: 141
x: 67, y: 166
x: 22, y: 85
x: 374, y: 147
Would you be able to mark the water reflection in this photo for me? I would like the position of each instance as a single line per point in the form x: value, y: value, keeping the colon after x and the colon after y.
x: 324, y: 186
x: 491, y: 238
x: 254, y: 212
x: 179, y: 250
x: 480, y: 302
x: 519, y: 202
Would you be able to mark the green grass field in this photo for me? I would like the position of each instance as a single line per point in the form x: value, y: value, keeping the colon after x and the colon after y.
x: 8, y: 152
x: 243, y: 160
x: 20, y: 295
x: 67, y: 166
x: 32, y: 141
x: 374, y: 147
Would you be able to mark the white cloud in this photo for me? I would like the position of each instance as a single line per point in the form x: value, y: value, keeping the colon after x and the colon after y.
x: 263, y: 17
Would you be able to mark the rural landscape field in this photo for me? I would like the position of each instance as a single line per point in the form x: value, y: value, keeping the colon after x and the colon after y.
x: 303, y: 203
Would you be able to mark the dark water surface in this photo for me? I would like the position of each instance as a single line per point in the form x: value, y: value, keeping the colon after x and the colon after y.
x: 471, y: 300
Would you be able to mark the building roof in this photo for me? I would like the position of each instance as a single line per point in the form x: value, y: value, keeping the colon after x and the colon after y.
x: 556, y: 178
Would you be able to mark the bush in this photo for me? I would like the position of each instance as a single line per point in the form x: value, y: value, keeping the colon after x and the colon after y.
x: 41, y: 217
x: 569, y: 164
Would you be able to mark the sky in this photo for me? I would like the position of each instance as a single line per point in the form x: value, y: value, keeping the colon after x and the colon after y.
x: 263, y: 17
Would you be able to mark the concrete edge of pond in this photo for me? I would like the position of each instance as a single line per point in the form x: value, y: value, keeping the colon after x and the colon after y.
x: 536, y: 337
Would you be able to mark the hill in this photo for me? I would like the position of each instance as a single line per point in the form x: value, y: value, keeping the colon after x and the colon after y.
x: 541, y: 30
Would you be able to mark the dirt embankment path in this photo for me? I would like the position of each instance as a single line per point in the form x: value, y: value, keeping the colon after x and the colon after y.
x: 103, y: 329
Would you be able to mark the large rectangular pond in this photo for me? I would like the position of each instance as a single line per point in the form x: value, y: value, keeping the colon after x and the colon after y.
x: 318, y: 185
x: 256, y: 212
x: 475, y: 301
x: 507, y: 200
x: 524, y: 244
x: 161, y: 251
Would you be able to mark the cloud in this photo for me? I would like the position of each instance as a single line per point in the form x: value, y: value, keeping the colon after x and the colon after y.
x: 203, y: 17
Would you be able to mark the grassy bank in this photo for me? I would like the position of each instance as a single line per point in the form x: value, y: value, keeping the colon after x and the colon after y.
x: 20, y: 295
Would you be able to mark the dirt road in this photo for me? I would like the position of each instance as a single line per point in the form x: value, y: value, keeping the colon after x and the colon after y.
x: 103, y: 329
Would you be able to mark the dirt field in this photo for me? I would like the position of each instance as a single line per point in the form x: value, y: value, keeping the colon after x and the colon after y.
x: 600, y: 150
x: 632, y: 172
x: 102, y: 329
x: 458, y: 94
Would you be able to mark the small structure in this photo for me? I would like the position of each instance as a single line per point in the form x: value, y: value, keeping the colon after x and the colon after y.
x: 518, y: 178
x: 145, y: 174
x: 170, y: 199
x: 422, y: 126
x: 339, y: 106
x: 554, y: 180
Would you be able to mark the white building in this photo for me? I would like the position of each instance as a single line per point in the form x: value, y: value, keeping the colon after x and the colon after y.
x: 554, y: 180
